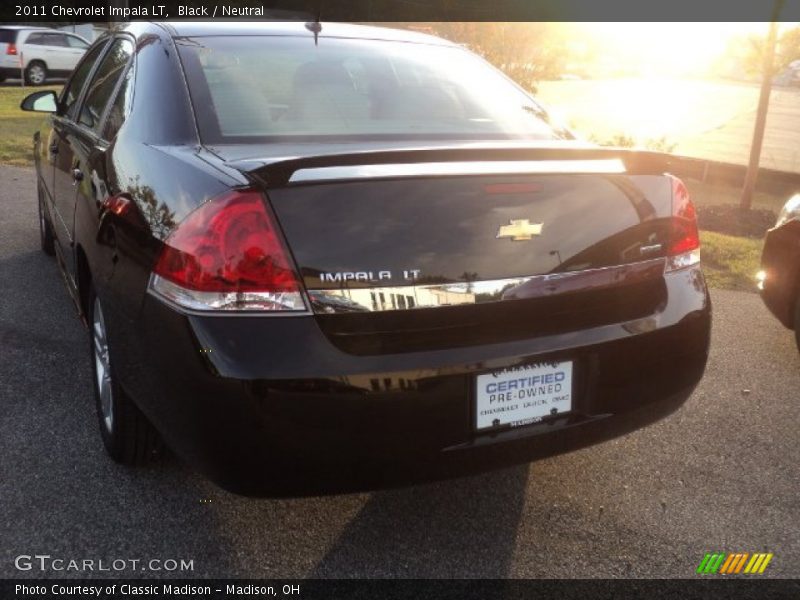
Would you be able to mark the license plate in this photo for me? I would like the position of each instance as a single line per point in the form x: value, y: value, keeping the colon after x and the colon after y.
x: 523, y: 395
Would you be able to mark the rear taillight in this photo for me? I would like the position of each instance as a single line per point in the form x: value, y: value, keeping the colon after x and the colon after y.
x: 11, y: 49
x: 228, y: 255
x: 684, y: 242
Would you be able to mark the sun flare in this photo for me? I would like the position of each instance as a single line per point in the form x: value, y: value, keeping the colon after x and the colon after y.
x: 657, y: 49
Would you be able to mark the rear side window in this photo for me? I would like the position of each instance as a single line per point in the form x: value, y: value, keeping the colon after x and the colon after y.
x: 75, y: 42
x: 104, y: 83
x: 35, y: 39
x: 8, y: 36
x: 53, y: 39
x: 72, y: 92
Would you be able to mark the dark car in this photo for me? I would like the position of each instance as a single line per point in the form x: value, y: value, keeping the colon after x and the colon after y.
x: 779, y: 278
x: 358, y: 259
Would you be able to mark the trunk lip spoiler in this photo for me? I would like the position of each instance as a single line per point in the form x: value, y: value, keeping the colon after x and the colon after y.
x: 283, y: 172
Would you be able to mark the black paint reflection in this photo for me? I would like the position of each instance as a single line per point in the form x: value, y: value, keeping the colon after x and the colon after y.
x: 447, y: 228
x: 156, y: 214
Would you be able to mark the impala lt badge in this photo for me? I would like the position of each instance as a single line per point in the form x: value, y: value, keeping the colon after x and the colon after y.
x: 519, y: 230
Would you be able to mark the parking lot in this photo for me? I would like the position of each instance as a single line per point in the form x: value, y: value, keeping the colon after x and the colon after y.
x: 721, y: 474
x: 704, y: 119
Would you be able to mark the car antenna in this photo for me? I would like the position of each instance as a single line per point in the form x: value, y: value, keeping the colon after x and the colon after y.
x: 315, y: 27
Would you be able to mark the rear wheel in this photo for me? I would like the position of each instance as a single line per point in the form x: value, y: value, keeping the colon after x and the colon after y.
x: 128, y: 436
x: 35, y: 73
x: 45, y: 231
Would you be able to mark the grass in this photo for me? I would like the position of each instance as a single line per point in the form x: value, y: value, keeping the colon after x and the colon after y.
x: 730, y: 262
x: 17, y: 127
x: 704, y: 195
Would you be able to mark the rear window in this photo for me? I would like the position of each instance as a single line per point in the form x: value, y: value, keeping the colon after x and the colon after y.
x: 8, y: 36
x: 249, y: 87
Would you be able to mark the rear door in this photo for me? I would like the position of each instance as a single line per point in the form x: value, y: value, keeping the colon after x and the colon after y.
x: 76, y: 48
x: 95, y: 127
x: 30, y: 46
x: 67, y: 168
x: 55, y: 52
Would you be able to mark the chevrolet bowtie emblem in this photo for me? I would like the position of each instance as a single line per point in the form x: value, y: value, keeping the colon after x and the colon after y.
x: 519, y: 230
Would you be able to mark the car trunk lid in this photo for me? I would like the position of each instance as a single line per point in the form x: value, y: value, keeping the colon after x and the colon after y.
x: 528, y: 243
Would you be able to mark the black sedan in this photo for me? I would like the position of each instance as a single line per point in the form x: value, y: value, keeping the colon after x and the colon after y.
x: 779, y: 278
x: 334, y: 258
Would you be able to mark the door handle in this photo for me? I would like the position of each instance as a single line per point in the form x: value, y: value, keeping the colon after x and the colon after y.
x: 77, y: 175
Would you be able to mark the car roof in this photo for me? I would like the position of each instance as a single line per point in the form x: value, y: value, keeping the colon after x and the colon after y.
x: 298, y: 28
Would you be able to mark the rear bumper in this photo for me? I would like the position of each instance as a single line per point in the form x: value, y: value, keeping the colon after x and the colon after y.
x: 267, y: 406
x: 10, y: 72
x: 780, y: 260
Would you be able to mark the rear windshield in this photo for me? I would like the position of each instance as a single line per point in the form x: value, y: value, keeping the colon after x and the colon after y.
x: 8, y: 36
x: 246, y: 88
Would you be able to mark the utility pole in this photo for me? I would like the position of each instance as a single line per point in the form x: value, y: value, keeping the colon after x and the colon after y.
x: 761, y: 113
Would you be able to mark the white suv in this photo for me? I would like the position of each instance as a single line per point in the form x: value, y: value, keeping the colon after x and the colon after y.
x: 38, y: 52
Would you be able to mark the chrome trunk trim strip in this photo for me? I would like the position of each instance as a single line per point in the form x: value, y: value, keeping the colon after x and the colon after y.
x: 447, y: 169
x: 408, y: 297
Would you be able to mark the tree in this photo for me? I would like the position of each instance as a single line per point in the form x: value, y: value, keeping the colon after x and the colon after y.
x: 787, y: 50
x: 761, y: 116
x: 526, y: 52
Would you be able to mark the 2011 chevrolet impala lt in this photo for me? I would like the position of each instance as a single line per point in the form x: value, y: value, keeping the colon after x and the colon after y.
x: 329, y: 257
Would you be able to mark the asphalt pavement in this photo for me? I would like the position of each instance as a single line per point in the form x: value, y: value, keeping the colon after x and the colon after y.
x: 721, y: 474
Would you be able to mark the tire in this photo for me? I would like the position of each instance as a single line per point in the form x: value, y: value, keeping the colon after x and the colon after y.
x: 128, y: 436
x: 46, y: 238
x: 2, y: 78
x: 35, y: 73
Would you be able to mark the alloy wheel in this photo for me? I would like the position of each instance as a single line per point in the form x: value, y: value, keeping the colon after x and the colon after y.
x: 102, y: 366
x: 36, y: 74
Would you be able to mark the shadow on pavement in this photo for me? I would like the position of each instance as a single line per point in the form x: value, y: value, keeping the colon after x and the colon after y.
x: 61, y: 495
x: 462, y: 528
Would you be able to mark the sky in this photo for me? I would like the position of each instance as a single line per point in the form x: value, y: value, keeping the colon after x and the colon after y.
x: 675, y: 48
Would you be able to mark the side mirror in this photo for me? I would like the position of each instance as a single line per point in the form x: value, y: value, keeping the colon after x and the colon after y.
x: 44, y: 101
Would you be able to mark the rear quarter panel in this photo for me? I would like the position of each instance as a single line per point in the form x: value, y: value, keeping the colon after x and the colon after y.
x: 153, y: 163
